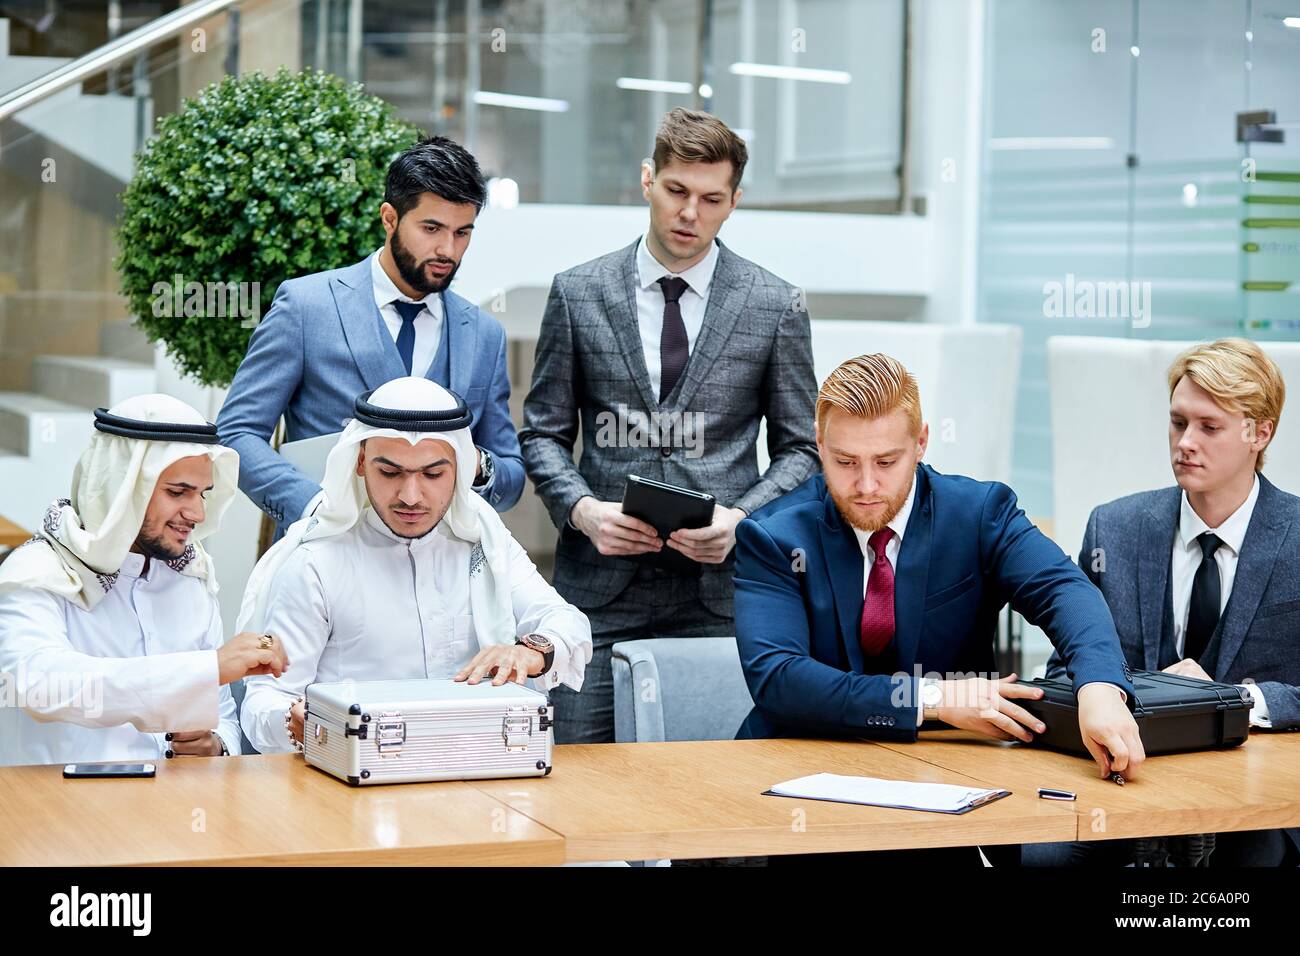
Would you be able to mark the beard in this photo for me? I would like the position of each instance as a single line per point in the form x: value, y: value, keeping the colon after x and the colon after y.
x: 151, y: 544
x: 412, y: 273
x: 892, y: 506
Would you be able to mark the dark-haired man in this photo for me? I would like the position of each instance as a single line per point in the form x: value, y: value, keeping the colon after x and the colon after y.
x: 677, y: 330
x: 331, y: 335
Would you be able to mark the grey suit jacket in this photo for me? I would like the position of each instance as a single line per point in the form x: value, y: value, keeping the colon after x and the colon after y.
x: 1258, y: 637
x: 752, y: 360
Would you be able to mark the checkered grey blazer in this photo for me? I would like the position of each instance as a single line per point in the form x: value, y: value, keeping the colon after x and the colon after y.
x: 751, y: 360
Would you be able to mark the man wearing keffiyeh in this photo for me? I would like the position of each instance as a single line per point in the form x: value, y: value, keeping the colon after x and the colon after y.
x: 111, y: 644
x: 401, y: 570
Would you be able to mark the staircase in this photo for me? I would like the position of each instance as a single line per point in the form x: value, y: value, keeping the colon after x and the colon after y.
x: 63, y: 351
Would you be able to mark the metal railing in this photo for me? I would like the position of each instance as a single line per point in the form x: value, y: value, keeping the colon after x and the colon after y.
x: 133, y: 45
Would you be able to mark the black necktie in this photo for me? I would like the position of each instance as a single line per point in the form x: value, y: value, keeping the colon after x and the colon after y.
x: 674, y: 346
x: 406, y: 335
x: 1203, y: 613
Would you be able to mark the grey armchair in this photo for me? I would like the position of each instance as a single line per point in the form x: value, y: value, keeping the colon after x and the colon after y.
x: 679, y: 688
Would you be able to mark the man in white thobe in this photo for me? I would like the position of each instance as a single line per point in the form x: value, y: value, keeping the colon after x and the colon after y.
x: 401, y: 571
x: 111, y: 646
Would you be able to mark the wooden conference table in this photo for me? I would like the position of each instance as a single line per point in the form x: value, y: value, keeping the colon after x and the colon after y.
x: 627, y: 802
x: 11, y: 536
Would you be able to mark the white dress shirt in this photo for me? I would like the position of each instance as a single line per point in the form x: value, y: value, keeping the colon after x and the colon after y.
x: 1186, y: 560
x: 107, y: 684
x: 428, y: 324
x: 370, y: 605
x: 650, y: 302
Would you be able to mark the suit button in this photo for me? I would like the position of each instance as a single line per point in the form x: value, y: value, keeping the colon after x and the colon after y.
x: 666, y: 452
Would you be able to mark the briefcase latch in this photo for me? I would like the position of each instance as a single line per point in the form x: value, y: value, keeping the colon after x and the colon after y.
x: 390, y: 734
x: 517, y: 728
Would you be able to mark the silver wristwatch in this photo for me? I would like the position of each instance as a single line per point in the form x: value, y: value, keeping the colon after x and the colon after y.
x: 488, y: 467
x: 931, y: 698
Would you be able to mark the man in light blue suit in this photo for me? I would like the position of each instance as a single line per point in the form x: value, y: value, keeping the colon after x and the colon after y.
x: 332, y: 335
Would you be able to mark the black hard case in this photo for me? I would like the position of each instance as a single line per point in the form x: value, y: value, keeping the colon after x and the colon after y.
x: 1173, y: 714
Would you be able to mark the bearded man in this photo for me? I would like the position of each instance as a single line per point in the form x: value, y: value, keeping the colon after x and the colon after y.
x: 402, y: 571
x: 111, y: 643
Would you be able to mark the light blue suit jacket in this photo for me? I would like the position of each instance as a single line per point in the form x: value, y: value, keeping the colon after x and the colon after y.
x: 322, y: 344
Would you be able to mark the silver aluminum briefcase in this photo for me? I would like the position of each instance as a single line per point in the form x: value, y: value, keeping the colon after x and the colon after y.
x: 405, y: 731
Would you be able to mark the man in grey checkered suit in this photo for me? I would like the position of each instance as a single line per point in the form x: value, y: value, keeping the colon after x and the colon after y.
x: 666, y: 355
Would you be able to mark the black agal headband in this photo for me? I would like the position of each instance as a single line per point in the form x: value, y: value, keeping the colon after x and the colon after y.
x: 205, y: 434
x: 405, y: 420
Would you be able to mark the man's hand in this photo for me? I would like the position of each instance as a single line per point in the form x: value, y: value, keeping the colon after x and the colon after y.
x: 611, y: 531
x: 1109, y: 731
x: 245, y: 655
x: 983, y: 705
x: 709, y: 545
x: 503, y: 661
x: 195, y: 743
x: 297, y: 719
x: 1188, y: 668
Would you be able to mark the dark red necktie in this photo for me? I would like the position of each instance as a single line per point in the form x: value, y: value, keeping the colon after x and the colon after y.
x: 878, y: 608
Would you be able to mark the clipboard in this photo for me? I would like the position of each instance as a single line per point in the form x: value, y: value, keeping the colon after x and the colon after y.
x: 974, y: 805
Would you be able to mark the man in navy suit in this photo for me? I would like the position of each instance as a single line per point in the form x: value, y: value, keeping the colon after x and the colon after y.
x: 1203, y: 578
x: 867, y: 599
x: 332, y: 335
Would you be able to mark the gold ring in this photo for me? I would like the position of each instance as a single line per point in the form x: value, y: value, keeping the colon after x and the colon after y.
x: 266, y: 642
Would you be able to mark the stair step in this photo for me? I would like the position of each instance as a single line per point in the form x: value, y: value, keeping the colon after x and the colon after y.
x: 91, y: 381
x: 35, y: 424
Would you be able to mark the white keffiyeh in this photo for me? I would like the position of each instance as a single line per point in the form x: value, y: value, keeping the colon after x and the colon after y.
x: 343, y: 500
x: 82, y: 541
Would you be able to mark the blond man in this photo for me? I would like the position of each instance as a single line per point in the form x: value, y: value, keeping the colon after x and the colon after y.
x: 1203, y: 578
x: 667, y: 355
x: 867, y: 600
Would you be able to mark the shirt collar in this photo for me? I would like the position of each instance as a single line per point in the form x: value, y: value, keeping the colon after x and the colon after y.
x: 898, y: 523
x: 650, y: 270
x: 1233, y: 530
x: 386, y: 291
x: 133, y: 564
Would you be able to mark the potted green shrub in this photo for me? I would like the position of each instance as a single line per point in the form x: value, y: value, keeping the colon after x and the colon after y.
x: 256, y: 180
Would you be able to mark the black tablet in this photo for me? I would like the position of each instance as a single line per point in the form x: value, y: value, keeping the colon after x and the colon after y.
x: 667, y: 508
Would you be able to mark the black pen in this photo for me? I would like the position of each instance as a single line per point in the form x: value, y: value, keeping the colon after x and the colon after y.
x: 1047, y: 793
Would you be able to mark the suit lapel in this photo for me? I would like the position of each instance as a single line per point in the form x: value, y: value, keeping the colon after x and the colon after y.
x: 1264, y: 536
x: 728, y: 291
x: 1159, y: 525
x: 618, y: 290
x: 462, y: 338
x: 372, y: 349
x: 845, y: 565
x: 912, y: 576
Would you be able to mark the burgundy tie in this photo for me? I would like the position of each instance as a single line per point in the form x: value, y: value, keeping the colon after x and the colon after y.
x: 878, y: 608
x: 674, y: 346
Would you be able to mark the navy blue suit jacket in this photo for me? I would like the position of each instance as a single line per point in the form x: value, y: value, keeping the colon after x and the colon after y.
x: 968, y: 551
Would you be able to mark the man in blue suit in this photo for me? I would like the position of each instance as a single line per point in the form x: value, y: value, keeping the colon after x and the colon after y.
x: 867, y: 599
x: 332, y: 335
x: 1203, y: 578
